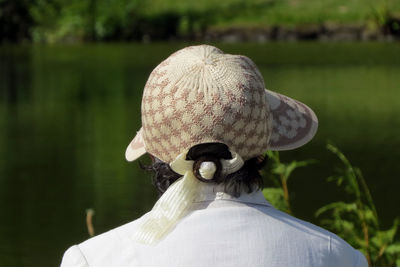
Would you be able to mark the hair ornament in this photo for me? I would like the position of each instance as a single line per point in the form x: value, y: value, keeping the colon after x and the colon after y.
x: 207, y: 169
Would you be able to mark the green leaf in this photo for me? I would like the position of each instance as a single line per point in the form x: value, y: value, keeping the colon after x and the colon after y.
x: 393, y: 248
x: 369, y: 216
x: 286, y: 169
x: 339, y: 206
x: 276, y: 197
x: 280, y: 168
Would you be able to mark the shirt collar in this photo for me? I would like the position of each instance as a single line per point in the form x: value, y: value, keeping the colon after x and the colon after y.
x: 212, y: 192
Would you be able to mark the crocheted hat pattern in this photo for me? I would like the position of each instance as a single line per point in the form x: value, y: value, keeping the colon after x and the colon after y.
x: 201, y: 95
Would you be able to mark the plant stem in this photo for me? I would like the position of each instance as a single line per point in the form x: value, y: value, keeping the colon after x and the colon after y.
x: 89, y: 221
x: 367, y: 194
x: 366, y: 238
x: 286, y: 193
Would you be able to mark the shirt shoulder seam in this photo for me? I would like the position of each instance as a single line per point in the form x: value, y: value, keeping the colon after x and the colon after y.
x: 82, y: 254
x: 330, y: 246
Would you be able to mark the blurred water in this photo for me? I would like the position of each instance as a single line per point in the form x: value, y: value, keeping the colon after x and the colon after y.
x: 68, y: 112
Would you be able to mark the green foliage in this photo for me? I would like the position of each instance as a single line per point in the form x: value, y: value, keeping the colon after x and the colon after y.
x: 92, y: 20
x: 357, y: 221
x: 280, y: 174
x: 381, y: 11
x: 64, y: 20
x: 275, y: 196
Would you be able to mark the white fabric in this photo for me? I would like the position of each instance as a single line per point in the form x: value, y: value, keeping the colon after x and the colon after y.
x: 175, y: 202
x: 168, y: 210
x: 221, y: 230
x: 232, y: 165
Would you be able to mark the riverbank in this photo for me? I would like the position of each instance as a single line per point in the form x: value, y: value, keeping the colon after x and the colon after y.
x: 322, y: 32
x: 226, y: 21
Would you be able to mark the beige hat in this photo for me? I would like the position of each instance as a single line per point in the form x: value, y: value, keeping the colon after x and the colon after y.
x: 200, y: 95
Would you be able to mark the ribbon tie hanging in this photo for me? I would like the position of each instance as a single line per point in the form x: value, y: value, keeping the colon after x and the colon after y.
x: 175, y: 202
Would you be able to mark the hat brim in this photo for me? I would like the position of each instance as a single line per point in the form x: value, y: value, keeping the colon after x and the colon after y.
x: 293, y: 125
x: 136, y: 147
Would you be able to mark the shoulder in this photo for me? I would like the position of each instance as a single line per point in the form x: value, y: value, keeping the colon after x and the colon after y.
x: 336, y: 251
x: 73, y: 257
x: 341, y: 251
x: 103, y: 249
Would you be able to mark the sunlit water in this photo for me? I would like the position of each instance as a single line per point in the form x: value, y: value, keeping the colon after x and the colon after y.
x: 67, y: 114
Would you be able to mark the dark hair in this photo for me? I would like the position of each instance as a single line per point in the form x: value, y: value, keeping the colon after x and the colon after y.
x: 246, y: 179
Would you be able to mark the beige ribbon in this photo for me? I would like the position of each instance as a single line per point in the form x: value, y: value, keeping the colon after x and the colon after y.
x: 174, y: 204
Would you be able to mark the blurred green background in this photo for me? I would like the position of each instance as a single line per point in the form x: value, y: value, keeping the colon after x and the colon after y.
x: 110, y: 20
x: 70, y: 103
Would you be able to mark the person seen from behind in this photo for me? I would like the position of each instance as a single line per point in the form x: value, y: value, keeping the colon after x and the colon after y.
x: 207, y: 120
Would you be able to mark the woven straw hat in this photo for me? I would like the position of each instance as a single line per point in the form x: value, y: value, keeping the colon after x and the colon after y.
x: 201, y: 95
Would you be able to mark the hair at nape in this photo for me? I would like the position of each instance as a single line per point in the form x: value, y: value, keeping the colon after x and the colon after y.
x: 247, y: 179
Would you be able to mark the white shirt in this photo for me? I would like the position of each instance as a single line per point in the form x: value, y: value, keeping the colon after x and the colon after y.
x: 221, y: 230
